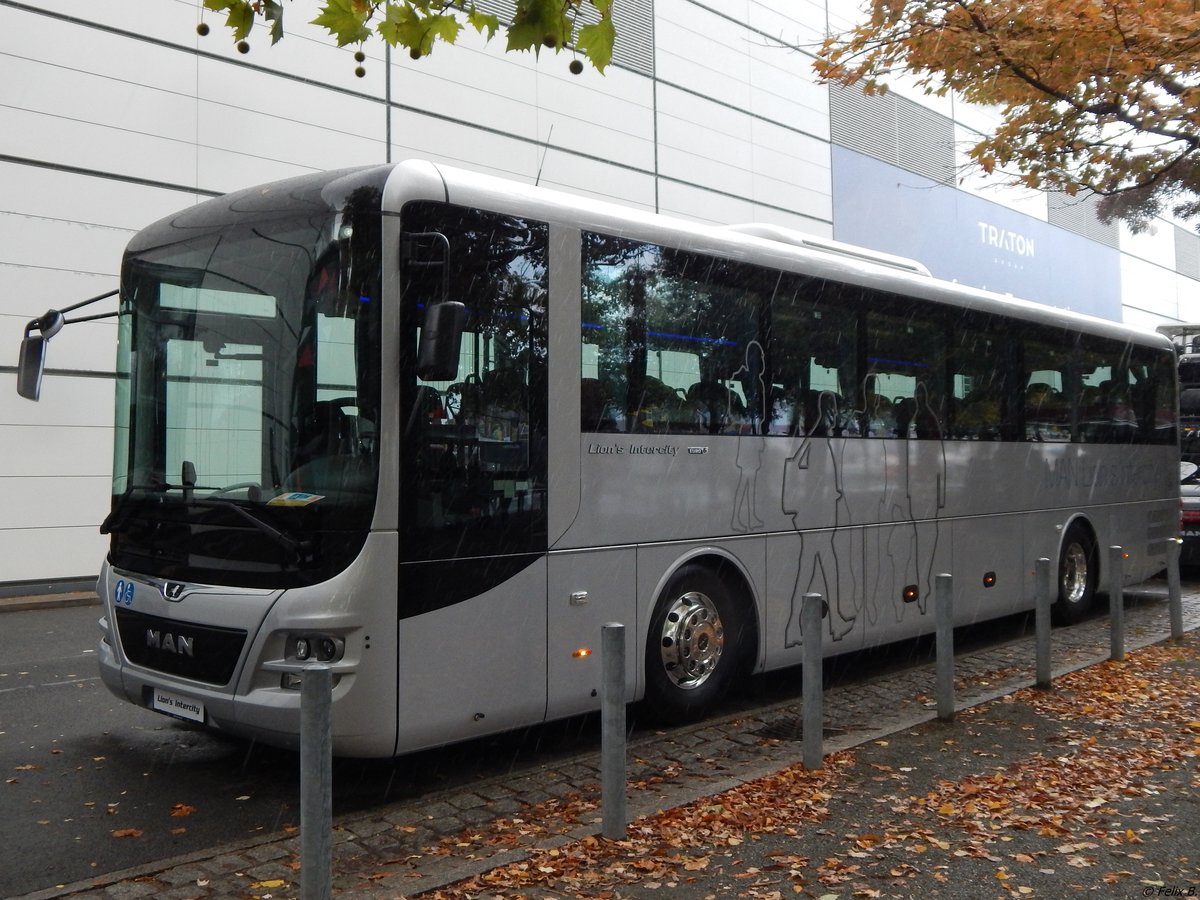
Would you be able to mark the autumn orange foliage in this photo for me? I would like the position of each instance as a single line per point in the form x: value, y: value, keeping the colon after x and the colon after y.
x: 1096, y: 95
x: 1136, y: 720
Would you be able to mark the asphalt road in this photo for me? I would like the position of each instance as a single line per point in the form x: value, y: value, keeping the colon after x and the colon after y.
x: 80, y: 766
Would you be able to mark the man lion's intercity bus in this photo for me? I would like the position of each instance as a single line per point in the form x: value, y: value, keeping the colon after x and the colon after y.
x: 435, y: 429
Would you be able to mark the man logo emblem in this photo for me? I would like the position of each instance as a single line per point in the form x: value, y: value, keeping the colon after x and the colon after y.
x: 170, y: 643
x: 173, y: 591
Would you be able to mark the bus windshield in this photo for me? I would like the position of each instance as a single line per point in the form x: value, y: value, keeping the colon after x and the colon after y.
x: 247, y: 400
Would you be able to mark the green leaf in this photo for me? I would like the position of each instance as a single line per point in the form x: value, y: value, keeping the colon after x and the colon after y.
x: 482, y: 22
x: 596, y: 42
x: 404, y: 25
x: 401, y: 26
x: 441, y: 27
x: 239, y: 15
x: 273, y: 13
x: 345, y: 20
x: 538, y: 23
x: 420, y: 24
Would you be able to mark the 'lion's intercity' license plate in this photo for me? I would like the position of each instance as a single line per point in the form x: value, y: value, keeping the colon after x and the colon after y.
x: 175, y: 705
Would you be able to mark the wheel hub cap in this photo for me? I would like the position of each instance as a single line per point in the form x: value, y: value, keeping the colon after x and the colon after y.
x: 1074, y: 573
x: 692, y: 639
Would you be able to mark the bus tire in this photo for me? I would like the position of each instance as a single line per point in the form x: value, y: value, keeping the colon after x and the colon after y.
x: 1078, y: 575
x: 696, y: 645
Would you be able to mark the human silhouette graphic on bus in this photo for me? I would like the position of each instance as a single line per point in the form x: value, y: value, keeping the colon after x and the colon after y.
x: 750, y: 448
x: 862, y: 572
x: 824, y: 560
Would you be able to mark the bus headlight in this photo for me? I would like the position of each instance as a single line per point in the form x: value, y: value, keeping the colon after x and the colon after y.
x: 319, y: 647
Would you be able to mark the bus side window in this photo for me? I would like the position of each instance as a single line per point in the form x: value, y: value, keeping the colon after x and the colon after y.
x: 813, y: 353
x: 477, y: 442
x: 980, y: 407
x: 1049, y: 401
x: 903, y: 392
x: 664, y: 335
x: 1152, y: 379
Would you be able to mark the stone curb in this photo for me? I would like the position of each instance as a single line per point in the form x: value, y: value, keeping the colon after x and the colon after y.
x: 48, y: 601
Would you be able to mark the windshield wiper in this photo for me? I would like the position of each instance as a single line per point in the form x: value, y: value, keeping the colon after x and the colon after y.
x: 116, y: 520
x: 297, y: 548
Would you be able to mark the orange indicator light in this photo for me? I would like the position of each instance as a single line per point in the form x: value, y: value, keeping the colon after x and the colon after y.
x: 582, y: 653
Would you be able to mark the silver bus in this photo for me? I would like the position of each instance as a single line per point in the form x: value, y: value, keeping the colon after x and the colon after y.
x: 435, y: 429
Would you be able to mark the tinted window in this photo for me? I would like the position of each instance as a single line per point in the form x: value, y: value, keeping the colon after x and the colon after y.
x: 984, y: 406
x: 670, y: 341
x: 1050, y: 387
x: 904, y: 384
x: 1152, y: 392
x: 248, y: 392
x: 474, y: 446
x: 677, y: 342
x: 813, y: 351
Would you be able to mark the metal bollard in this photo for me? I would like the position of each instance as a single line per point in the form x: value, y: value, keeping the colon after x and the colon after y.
x: 813, y: 717
x: 1042, y: 604
x: 1116, y: 603
x: 316, y: 782
x: 944, y: 624
x: 612, y: 732
x: 1174, y: 593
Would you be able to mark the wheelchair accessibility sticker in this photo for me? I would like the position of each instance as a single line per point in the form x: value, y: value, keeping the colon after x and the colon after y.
x: 123, y: 593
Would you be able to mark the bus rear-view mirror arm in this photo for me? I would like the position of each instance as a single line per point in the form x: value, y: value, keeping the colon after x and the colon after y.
x: 32, y: 361
x: 441, y: 341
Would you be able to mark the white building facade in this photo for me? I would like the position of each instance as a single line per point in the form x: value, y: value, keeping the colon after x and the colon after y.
x: 117, y: 113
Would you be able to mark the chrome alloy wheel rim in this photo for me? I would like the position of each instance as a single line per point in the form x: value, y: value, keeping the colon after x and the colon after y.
x: 1074, y: 573
x: 692, y: 640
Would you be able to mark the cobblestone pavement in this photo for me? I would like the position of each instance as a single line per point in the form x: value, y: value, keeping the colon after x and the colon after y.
x: 409, y: 847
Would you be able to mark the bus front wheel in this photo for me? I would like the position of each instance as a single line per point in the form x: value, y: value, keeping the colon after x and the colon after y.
x: 1078, y: 575
x: 695, y: 647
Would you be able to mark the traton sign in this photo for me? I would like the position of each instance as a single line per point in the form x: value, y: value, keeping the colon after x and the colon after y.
x: 964, y: 238
x: 1008, y: 241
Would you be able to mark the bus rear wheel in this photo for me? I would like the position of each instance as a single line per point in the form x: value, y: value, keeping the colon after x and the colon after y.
x: 695, y: 648
x: 1078, y: 575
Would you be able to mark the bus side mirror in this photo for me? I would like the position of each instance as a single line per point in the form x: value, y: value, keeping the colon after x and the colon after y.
x: 441, y: 341
x: 32, y: 361
x: 30, y: 366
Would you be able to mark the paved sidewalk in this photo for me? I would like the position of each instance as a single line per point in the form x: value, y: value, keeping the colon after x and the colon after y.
x: 407, y: 848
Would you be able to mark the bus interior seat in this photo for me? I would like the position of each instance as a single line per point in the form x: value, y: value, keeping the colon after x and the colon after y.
x: 594, y: 407
x: 324, y: 430
x: 328, y: 458
x: 504, y: 388
x: 716, y: 404
x: 426, y: 409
